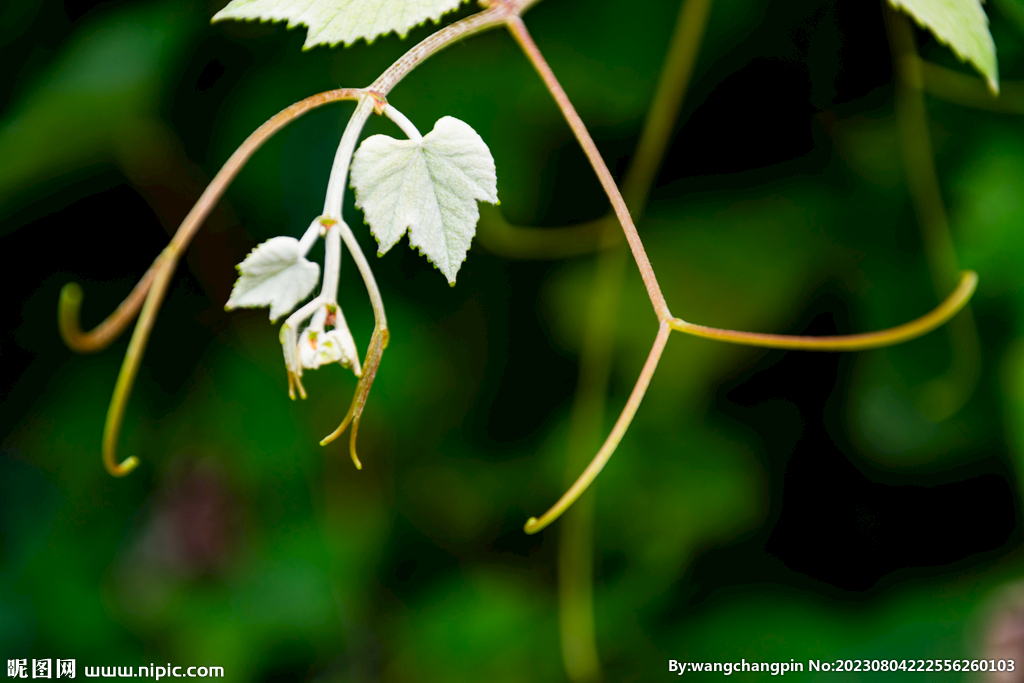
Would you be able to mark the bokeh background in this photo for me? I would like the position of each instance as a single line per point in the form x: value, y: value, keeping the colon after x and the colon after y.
x: 765, y: 505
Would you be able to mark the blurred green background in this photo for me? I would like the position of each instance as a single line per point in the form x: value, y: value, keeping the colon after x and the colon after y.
x: 764, y: 505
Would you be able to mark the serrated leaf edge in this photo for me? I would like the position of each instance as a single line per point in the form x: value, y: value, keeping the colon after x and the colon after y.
x: 307, y: 45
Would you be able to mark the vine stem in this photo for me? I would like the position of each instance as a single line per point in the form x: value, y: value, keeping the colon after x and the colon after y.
x: 102, y: 335
x: 400, y: 119
x: 533, y: 525
x: 332, y: 265
x: 522, y: 242
x: 378, y: 342
x: 375, y: 99
x: 343, y: 158
x: 942, y: 396
x: 853, y: 342
x: 522, y: 36
x: 376, y: 302
x: 501, y: 238
x: 968, y: 91
x: 163, y: 269
x: 492, y: 17
x: 375, y: 96
x: 69, y: 310
x: 945, y: 311
x: 673, y: 83
x: 69, y: 306
x: 941, y: 314
x: 130, y: 366
x: 575, y: 552
x: 916, y: 150
x: 576, y: 536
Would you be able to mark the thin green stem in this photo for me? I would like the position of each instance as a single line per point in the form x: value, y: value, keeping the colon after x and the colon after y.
x: 71, y: 297
x: 380, y: 318
x: 967, y: 91
x: 854, y: 342
x: 576, y: 535
x: 576, y: 630
x: 943, y: 396
x: 168, y: 261
x: 503, y: 239
x: 374, y: 99
x: 533, y: 525
x: 953, y: 304
x: 673, y: 82
x: 575, y: 539
x: 944, y: 312
x: 194, y: 220
x: 918, y: 158
x: 130, y: 367
x: 378, y: 342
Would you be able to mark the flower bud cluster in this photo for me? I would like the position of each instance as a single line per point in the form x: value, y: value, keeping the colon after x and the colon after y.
x: 277, y: 274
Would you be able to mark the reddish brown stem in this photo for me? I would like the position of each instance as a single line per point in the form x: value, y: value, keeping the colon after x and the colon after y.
x: 110, y: 329
x: 164, y: 267
x: 522, y: 36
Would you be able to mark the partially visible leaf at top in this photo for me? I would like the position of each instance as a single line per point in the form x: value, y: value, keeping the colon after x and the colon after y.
x: 429, y: 186
x: 1014, y: 10
x: 341, y: 21
x: 963, y: 26
x: 274, y: 274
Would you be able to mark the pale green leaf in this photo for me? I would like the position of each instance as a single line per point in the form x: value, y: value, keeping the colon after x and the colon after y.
x: 428, y: 186
x: 341, y: 21
x: 274, y: 274
x: 963, y: 26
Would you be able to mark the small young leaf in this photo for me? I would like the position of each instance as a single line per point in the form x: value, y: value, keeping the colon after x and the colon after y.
x: 274, y: 274
x: 429, y: 186
x: 341, y: 21
x: 963, y: 26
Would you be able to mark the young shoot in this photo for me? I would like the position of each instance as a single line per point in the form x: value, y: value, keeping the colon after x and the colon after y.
x: 426, y: 186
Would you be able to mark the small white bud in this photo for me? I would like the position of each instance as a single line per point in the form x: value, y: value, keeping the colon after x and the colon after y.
x: 328, y: 340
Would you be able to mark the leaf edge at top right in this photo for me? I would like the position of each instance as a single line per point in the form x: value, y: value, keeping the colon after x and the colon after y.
x: 962, y: 25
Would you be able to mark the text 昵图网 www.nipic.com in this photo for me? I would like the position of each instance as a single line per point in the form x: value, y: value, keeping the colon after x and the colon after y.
x: 65, y: 668
x: 872, y: 665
